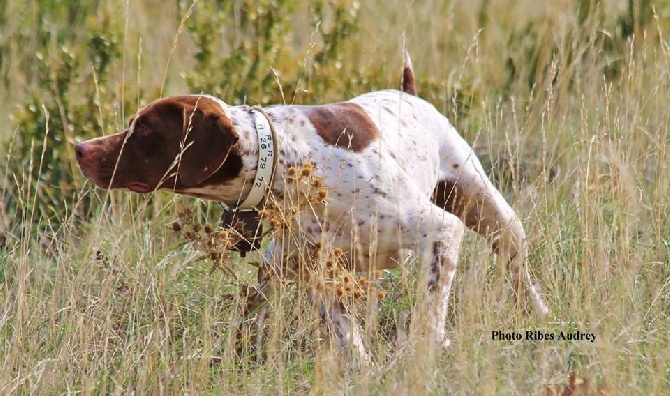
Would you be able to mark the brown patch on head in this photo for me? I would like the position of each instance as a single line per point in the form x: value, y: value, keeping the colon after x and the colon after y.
x: 344, y: 125
x: 192, y: 131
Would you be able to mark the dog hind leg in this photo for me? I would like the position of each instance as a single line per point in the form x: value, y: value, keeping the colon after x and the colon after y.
x: 484, y: 210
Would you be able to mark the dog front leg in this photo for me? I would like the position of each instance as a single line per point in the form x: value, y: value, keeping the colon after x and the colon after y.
x: 441, y: 259
x: 440, y: 278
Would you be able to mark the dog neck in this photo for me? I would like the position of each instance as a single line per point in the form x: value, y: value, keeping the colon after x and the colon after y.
x: 289, y: 149
x: 266, y: 159
x: 258, y: 148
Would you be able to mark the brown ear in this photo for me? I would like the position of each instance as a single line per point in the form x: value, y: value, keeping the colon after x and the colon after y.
x: 208, y: 139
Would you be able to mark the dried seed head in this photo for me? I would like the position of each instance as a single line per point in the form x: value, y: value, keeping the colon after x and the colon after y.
x: 381, y: 294
x: 215, y: 256
x: 321, y: 195
x: 190, y: 235
x: 338, y: 252
x: 346, y: 279
x: 362, y: 281
x: 176, y: 226
x: 292, y: 173
x: 197, y: 227
x: 340, y: 291
x: 306, y: 172
x: 317, y: 182
x: 223, y: 234
x: 209, y: 228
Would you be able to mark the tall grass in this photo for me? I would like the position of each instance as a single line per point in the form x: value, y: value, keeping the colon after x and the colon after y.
x: 108, y: 300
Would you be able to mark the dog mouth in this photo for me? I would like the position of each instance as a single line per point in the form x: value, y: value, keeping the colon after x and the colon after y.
x: 103, y: 179
x: 138, y: 187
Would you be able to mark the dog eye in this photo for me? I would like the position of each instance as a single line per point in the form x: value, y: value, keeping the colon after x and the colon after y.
x: 141, y: 130
x: 146, y: 136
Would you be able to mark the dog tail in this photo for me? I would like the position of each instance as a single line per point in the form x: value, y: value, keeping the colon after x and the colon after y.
x: 408, y: 81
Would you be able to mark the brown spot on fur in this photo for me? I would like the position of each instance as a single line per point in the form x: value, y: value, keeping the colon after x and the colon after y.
x: 378, y: 191
x: 344, y: 125
x: 436, y: 267
x: 450, y: 196
x: 408, y: 81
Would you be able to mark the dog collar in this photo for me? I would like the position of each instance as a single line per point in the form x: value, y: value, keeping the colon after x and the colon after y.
x: 266, y: 159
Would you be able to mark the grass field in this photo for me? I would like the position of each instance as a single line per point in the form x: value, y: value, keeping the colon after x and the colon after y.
x: 98, y: 295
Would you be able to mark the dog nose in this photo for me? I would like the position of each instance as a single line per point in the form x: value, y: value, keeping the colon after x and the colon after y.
x: 82, y: 150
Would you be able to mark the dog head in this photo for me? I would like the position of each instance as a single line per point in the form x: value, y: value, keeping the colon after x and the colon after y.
x: 175, y: 143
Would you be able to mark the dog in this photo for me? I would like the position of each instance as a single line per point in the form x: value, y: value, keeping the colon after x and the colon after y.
x: 399, y: 178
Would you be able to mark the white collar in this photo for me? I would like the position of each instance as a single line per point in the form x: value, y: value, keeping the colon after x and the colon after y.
x: 266, y: 157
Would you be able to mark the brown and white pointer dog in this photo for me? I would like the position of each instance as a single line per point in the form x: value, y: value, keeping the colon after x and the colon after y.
x: 399, y: 177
